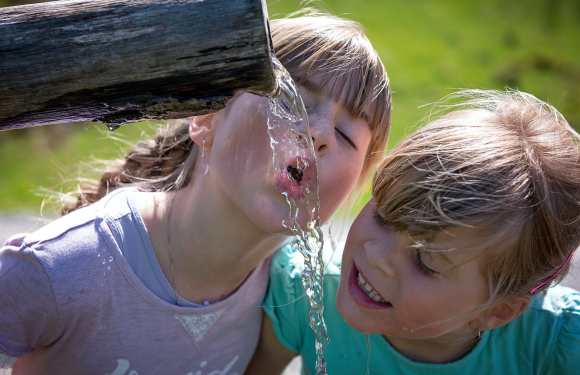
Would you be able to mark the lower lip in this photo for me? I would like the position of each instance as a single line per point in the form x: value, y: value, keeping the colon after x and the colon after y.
x: 286, y: 187
x: 359, y: 296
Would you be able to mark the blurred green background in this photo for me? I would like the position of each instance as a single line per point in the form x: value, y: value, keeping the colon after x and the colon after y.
x: 429, y: 47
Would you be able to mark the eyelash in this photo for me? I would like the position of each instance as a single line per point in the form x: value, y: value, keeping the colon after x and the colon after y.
x: 381, y: 220
x: 417, y: 254
x: 346, y: 138
x: 422, y: 266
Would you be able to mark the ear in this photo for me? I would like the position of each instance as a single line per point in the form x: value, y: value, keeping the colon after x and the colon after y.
x: 501, y: 313
x: 202, y: 128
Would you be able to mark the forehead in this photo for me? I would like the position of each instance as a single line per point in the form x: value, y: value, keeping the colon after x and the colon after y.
x: 340, y: 88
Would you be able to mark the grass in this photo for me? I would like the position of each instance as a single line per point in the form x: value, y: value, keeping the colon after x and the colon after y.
x: 428, y: 47
x: 49, y: 158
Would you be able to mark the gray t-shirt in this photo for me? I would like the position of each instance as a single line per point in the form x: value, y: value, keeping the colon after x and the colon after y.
x: 131, y: 235
x: 71, y: 304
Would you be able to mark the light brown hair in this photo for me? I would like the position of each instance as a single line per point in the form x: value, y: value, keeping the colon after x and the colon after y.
x: 503, y: 164
x: 307, y: 43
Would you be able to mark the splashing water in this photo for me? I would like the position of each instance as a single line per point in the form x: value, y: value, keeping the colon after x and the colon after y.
x: 294, y: 161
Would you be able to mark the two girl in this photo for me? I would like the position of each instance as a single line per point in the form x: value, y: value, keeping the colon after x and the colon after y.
x: 450, y: 266
x: 163, y: 265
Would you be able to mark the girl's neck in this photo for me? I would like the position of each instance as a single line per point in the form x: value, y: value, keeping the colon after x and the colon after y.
x: 436, y: 350
x: 213, y: 248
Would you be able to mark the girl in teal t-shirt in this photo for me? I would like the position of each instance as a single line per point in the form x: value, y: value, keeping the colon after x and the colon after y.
x: 448, y: 267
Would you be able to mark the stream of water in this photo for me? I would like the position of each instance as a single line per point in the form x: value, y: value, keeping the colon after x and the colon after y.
x: 295, y: 163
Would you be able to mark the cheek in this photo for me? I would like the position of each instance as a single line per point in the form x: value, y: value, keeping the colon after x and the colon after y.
x: 249, y: 127
x: 242, y: 137
x: 433, y: 311
x: 335, y: 183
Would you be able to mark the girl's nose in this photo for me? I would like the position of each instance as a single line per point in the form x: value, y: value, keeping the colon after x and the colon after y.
x: 380, y: 256
x: 322, y: 130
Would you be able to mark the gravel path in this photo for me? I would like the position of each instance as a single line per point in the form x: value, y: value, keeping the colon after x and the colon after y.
x: 19, y: 223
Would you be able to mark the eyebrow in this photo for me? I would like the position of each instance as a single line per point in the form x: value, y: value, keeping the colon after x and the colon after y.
x: 311, y: 86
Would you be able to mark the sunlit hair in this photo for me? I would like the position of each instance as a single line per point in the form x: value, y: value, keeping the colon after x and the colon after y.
x: 313, y: 44
x: 503, y: 165
x: 307, y: 43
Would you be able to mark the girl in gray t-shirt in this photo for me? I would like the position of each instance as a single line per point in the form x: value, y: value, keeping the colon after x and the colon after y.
x: 168, y: 275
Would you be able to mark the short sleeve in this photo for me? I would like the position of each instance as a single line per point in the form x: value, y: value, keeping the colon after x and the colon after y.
x: 286, y: 302
x: 28, y: 310
x: 565, y: 358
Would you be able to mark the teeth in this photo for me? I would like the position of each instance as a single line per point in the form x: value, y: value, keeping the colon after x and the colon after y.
x: 369, y: 291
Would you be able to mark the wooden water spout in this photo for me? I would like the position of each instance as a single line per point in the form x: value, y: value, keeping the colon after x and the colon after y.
x: 122, y: 61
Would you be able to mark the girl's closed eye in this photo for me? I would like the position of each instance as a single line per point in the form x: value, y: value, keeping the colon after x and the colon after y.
x: 346, y: 138
x: 380, y: 219
x: 421, y: 264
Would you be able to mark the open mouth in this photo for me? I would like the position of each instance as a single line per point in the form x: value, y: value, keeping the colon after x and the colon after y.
x: 295, y: 181
x: 296, y: 173
x: 363, y: 293
x: 369, y: 291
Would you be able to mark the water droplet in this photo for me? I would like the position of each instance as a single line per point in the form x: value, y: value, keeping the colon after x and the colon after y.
x: 306, y: 190
x: 113, y: 127
x: 109, y: 267
x: 102, y: 327
x: 203, y: 364
x: 287, y: 223
x: 99, y: 255
x: 103, y: 261
x: 110, y: 258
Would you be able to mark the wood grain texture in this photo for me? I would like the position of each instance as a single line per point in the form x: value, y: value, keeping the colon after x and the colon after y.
x: 121, y: 61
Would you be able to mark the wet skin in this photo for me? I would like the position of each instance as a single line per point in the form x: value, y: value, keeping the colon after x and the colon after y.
x: 241, y: 169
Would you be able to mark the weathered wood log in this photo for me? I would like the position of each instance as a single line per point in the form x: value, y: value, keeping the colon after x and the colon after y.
x: 122, y: 61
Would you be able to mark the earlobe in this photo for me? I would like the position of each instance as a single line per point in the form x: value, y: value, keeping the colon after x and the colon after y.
x: 202, y: 128
x: 503, y: 313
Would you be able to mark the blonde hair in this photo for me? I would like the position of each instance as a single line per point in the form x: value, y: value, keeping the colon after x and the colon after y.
x: 503, y: 164
x: 308, y: 43
x: 312, y: 44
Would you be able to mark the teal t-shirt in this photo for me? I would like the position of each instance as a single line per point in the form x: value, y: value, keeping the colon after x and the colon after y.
x: 545, y: 339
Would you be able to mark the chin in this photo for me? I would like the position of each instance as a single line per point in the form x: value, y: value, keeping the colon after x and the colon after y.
x: 268, y: 215
x: 345, y: 308
x: 274, y: 226
x: 351, y: 315
x: 354, y: 321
